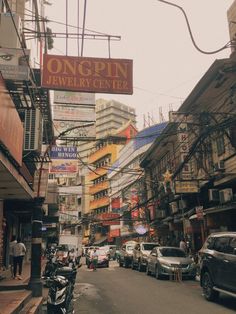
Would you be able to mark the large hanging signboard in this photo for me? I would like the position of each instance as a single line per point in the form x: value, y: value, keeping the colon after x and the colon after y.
x: 13, y: 64
x: 73, y: 98
x: 96, y: 75
x: 11, y: 128
x: 73, y: 113
x: 64, y: 160
x: 77, y: 129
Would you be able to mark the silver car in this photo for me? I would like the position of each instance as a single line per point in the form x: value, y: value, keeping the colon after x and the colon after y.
x: 163, y: 261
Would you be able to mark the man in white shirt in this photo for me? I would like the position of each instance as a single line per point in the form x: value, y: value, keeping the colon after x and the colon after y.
x: 19, y: 251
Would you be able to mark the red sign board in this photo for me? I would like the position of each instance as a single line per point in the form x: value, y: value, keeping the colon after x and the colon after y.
x: 115, y: 203
x: 114, y: 233
x: 11, y: 128
x: 106, y: 216
x: 95, y: 75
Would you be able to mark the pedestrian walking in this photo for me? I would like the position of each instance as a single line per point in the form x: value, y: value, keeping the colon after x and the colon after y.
x: 12, y: 243
x: 94, y: 259
x: 19, y: 251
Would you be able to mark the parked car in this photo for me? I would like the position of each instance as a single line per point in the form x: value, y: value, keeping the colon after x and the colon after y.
x: 126, y: 253
x: 103, y: 258
x: 111, y: 251
x: 218, y: 265
x: 163, y: 261
x: 140, y: 254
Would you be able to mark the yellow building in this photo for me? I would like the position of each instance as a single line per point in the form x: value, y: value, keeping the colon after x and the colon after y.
x: 101, y: 158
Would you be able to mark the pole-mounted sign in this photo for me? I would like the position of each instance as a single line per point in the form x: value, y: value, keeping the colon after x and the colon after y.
x: 95, y: 75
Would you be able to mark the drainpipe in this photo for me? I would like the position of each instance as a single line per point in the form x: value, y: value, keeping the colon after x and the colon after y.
x: 35, y: 283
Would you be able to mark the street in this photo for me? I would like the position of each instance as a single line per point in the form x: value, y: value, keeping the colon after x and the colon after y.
x: 116, y: 290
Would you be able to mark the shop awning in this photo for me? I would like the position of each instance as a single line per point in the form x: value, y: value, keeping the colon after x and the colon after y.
x: 100, y: 241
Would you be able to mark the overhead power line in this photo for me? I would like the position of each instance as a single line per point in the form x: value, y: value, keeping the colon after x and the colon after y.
x: 228, y: 45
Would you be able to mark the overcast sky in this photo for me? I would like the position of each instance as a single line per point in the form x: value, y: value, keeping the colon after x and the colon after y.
x: 155, y: 36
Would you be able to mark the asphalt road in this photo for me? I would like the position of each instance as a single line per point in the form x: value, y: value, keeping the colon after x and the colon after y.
x: 116, y: 290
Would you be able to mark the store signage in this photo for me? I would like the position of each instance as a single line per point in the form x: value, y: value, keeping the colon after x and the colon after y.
x: 179, y: 117
x: 82, y: 74
x: 104, y: 218
x: 114, y: 233
x: 74, y: 98
x: 14, y: 64
x: 77, y: 129
x: 182, y: 187
x: 63, y: 152
x: 63, y: 166
x: 11, y: 128
x: 74, y: 113
x: 115, y: 203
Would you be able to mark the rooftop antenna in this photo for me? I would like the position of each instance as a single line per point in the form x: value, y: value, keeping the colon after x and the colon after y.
x: 161, y: 116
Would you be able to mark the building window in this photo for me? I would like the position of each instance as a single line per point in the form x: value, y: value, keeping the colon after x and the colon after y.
x: 220, y: 145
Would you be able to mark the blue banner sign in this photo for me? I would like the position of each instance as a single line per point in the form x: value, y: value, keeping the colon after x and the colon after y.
x: 62, y: 152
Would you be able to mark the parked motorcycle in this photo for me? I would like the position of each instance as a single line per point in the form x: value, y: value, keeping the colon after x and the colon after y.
x: 60, y: 295
x: 61, y: 289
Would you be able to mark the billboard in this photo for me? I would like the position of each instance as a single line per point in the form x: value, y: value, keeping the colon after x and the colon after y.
x: 73, y: 113
x: 11, y: 128
x: 95, y: 75
x: 63, y: 166
x: 115, y: 219
x: 74, y: 98
x: 186, y: 187
x: 63, y: 152
x: 13, y: 64
x: 83, y: 131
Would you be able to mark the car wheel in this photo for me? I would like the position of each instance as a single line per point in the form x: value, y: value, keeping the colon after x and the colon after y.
x: 147, y: 270
x: 132, y: 265
x: 207, y: 288
x: 140, y: 267
x: 126, y: 264
x: 120, y: 263
x: 107, y: 265
x: 157, y: 275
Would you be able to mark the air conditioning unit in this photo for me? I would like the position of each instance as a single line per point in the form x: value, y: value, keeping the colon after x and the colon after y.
x: 8, y: 34
x: 226, y: 195
x: 219, y: 166
x: 213, y: 195
x: 33, y: 130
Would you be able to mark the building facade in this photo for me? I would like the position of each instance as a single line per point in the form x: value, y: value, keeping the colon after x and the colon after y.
x: 190, y: 171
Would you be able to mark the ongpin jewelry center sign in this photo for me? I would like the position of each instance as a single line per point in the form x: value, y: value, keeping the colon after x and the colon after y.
x: 96, y: 75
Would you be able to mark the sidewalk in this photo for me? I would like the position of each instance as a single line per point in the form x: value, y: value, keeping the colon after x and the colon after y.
x: 9, y: 281
x: 13, y: 292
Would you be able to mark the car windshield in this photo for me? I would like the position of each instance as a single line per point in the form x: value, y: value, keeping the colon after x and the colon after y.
x: 129, y: 247
x: 101, y: 252
x: 172, y: 252
x: 149, y: 246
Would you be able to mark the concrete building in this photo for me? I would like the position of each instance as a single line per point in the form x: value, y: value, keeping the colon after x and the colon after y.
x: 111, y: 115
x: 126, y: 184
x: 190, y: 172
x: 26, y: 116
